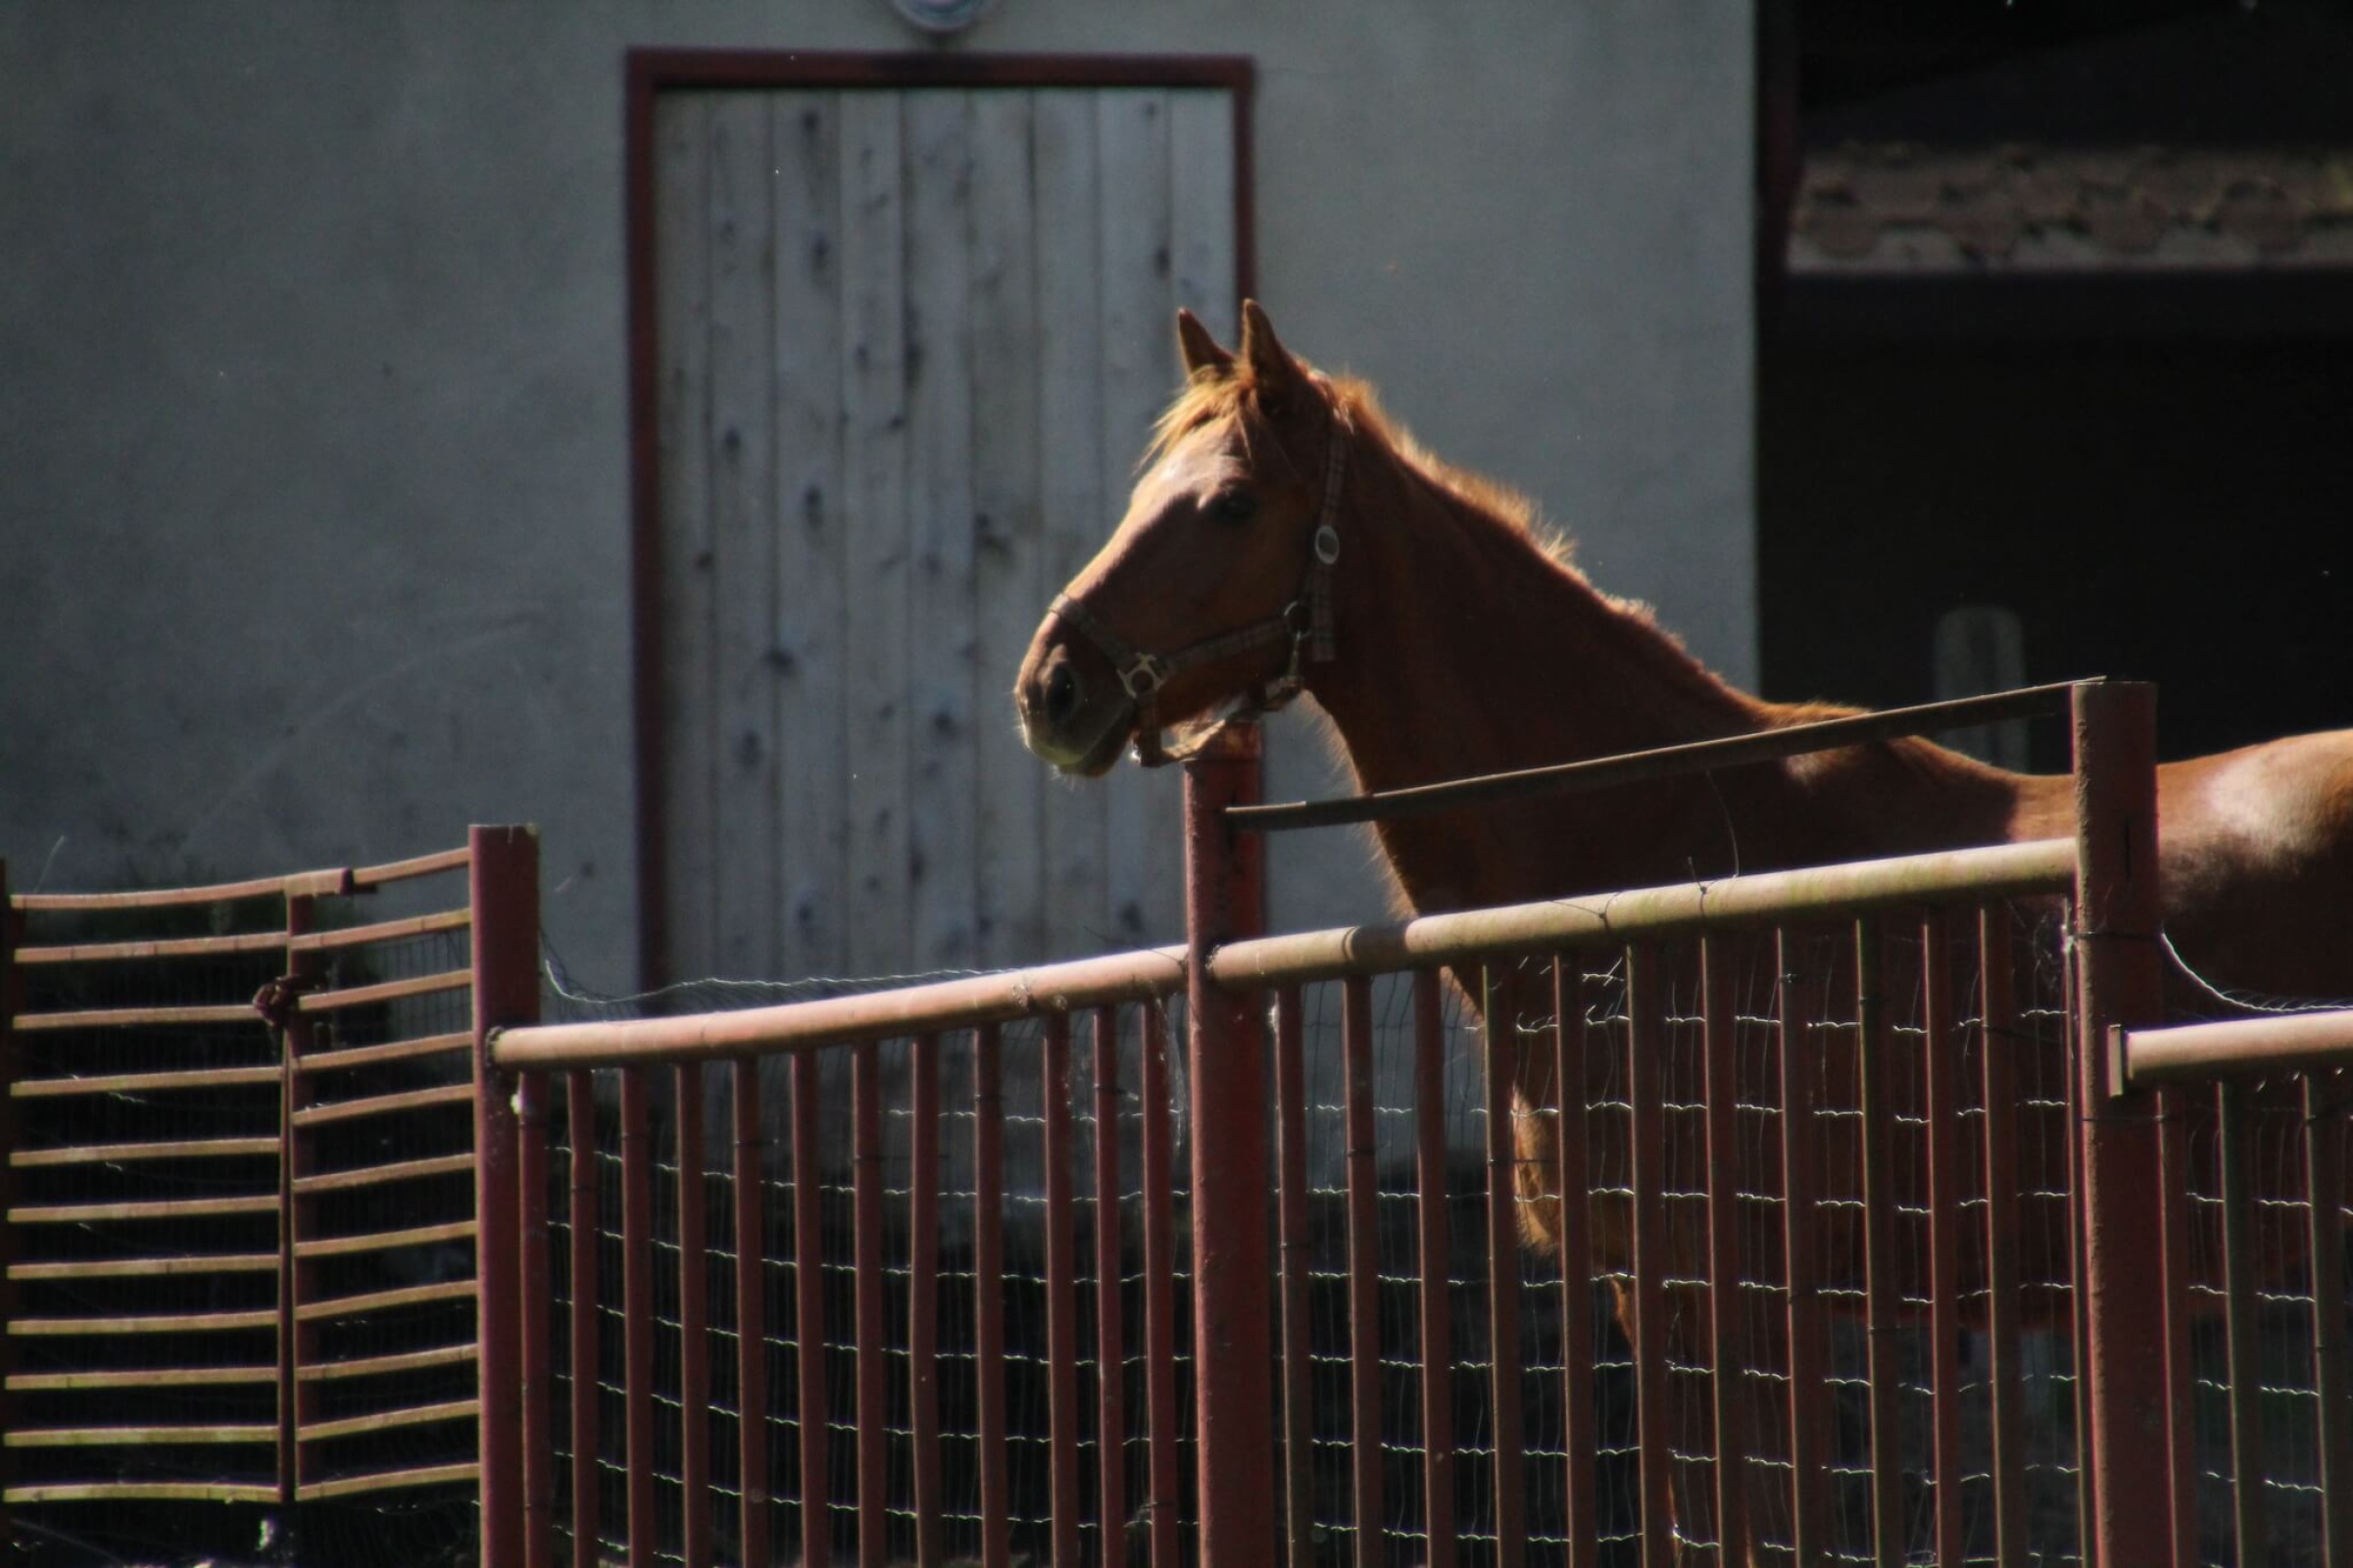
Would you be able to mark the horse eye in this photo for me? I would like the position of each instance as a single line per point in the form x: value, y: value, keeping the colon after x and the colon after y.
x: 1234, y: 506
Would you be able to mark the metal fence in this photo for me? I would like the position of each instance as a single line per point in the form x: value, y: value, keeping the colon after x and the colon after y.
x: 1852, y: 1162
x: 240, y: 1218
x: 1876, y: 1222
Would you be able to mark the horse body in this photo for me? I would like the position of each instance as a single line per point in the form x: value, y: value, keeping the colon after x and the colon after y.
x: 1463, y: 643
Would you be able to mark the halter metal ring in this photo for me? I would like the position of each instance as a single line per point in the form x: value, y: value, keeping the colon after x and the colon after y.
x: 1144, y: 678
x: 1327, y: 545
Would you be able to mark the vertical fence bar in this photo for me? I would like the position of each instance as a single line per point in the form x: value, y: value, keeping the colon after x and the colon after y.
x: 1364, y: 1266
x: 537, y: 1433
x: 1111, y: 1341
x: 988, y: 1304
x: 11, y: 1001
x: 874, y: 1385
x: 1798, y: 1007
x: 296, y: 1397
x: 1433, y: 1264
x: 1719, y: 1027
x: 1941, y: 1063
x: 1233, y: 1300
x: 750, y: 1170
x: 1291, y: 1252
x: 637, y: 1309
x: 1570, y: 992
x: 923, y: 1296
x: 1998, y: 1019
x: 1645, y: 1091
x: 1504, y: 1048
x: 503, y: 899
x: 2181, y: 1431
x: 582, y: 1217
x: 694, y: 1321
x: 810, y: 1412
x: 1061, y: 1292
x: 2130, y: 1371
x: 2239, y: 1284
x: 1885, y: 1368
x: 1162, y: 1461
x: 2325, y: 1247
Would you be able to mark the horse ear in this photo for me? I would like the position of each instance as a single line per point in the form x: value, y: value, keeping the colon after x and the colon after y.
x: 1272, y: 368
x: 1200, y: 349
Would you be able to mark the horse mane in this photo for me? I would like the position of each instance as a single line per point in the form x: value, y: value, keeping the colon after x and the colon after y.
x: 1212, y: 396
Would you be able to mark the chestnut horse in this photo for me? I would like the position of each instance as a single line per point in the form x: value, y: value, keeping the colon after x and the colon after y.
x: 1286, y: 537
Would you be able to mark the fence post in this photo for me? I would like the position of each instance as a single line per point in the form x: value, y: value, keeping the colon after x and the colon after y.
x: 2127, y: 1371
x: 504, y: 895
x: 12, y: 998
x: 1232, y: 1297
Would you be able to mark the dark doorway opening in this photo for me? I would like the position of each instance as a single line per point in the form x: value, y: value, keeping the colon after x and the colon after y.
x: 2150, y: 469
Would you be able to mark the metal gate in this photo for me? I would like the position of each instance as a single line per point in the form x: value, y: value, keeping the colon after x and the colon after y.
x: 241, y: 1232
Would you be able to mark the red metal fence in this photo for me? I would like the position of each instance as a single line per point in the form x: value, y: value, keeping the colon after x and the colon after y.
x: 1882, y: 1226
x: 1858, y: 1169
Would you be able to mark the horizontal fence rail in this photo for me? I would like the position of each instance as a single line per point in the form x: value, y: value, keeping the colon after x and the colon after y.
x: 2321, y: 1041
x: 1666, y: 762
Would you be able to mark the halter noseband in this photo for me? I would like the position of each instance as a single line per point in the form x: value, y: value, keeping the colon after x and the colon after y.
x: 1305, y: 623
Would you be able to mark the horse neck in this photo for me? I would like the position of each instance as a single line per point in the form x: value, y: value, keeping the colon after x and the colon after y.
x: 1463, y: 648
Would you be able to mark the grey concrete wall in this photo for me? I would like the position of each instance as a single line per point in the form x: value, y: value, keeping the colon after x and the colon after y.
x: 313, y: 457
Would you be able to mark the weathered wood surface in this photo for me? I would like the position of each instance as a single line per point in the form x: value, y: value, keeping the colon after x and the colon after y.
x: 911, y: 344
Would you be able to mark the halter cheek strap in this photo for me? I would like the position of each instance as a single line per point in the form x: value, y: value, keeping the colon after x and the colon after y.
x: 1307, y: 623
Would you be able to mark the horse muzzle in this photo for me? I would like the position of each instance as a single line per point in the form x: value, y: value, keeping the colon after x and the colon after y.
x: 1080, y: 723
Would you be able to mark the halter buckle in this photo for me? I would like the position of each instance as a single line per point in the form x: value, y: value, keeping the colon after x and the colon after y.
x: 1144, y: 678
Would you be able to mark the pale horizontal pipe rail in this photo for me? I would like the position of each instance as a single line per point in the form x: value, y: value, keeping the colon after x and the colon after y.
x: 143, y: 1083
x: 328, y: 883
x: 1634, y: 767
x: 377, y: 1420
x: 387, y: 1481
x: 376, y: 1055
x: 2007, y: 871
x: 137, y: 1017
x: 176, y: 1377
x: 383, y: 1301
x: 143, y: 1492
x: 1146, y: 975
x: 335, y: 1110
x: 162, y: 948
x: 407, y: 1170
x: 360, y: 936
x: 376, y: 876
x: 170, y: 1323
x: 385, y: 1240
x: 111, y: 1437
x: 162, y: 1208
x: 2275, y: 1042
x: 423, y: 985
x: 129, y: 1153
x: 125, y: 1269
x: 384, y: 1365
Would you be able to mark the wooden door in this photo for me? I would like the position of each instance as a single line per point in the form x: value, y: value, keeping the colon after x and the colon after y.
x: 911, y: 344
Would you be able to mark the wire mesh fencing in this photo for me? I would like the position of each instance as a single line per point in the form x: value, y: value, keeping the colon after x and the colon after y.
x: 1824, y: 1172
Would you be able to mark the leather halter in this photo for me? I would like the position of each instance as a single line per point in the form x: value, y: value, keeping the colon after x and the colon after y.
x: 1305, y: 623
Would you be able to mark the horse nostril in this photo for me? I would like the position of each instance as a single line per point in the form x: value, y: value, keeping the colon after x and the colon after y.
x: 1062, y: 694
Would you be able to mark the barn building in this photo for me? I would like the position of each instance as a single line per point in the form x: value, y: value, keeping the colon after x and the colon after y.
x: 666, y: 424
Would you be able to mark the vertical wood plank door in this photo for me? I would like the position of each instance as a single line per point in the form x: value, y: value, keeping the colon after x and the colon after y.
x: 910, y: 343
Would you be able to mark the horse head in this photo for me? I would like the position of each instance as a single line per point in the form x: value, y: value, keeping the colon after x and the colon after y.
x: 1213, y: 590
